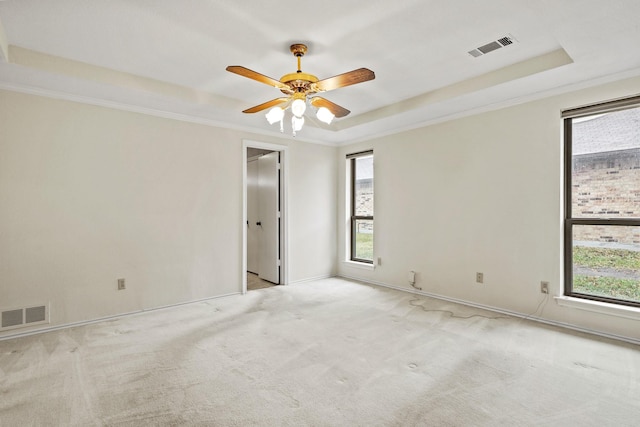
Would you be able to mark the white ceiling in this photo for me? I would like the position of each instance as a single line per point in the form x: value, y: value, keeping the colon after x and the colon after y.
x: 169, y: 57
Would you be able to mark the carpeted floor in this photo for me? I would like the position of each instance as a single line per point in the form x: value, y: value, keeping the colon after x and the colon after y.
x: 325, y: 353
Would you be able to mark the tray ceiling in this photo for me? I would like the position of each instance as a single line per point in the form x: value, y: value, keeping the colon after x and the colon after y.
x: 168, y: 58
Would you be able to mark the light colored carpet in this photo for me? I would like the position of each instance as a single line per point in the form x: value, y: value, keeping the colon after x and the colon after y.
x: 326, y: 353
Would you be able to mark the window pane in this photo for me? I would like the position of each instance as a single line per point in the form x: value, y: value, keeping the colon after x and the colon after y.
x: 606, y: 261
x: 363, y: 202
x: 606, y: 165
x: 363, y: 229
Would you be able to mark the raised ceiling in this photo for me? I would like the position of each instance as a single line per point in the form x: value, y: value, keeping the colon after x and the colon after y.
x: 168, y: 58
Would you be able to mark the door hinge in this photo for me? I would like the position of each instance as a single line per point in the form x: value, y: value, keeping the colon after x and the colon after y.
x: 278, y: 165
x: 279, y: 263
x: 279, y: 214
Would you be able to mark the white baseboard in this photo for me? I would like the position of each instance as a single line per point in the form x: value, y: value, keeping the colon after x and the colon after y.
x: 356, y: 279
x: 311, y: 279
x: 498, y: 310
x: 102, y: 319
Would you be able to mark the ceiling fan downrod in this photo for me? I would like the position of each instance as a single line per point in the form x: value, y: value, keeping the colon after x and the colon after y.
x: 298, y: 51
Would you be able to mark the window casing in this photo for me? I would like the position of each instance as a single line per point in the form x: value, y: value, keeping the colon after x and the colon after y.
x: 602, y: 202
x: 361, y: 207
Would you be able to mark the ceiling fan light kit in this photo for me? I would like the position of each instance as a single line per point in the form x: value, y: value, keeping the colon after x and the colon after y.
x: 324, y: 115
x: 298, y: 107
x: 299, y: 87
x: 276, y: 114
x: 296, y: 124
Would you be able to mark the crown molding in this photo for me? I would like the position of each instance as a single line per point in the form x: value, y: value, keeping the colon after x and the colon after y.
x: 64, y: 96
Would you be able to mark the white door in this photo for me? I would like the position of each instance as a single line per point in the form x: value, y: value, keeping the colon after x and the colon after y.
x: 269, y: 213
x: 253, y: 230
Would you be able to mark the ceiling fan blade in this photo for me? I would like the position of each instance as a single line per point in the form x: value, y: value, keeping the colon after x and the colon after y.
x: 266, y: 105
x: 337, y: 110
x: 245, y: 72
x: 347, y: 79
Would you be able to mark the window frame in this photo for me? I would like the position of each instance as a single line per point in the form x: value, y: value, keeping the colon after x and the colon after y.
x: 353, y: 218
x: 569, y: 220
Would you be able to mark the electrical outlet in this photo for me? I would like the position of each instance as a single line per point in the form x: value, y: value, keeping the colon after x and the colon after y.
x: 544, y: 287
x: 121, y: 284
x: 412, y: 277
x: 479, y: 277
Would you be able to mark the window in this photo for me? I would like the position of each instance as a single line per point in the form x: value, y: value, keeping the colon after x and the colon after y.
x: 602, y: 202
x: 361, y: 200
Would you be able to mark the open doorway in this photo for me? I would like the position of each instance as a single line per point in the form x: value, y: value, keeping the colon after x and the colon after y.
x: 264, y: 231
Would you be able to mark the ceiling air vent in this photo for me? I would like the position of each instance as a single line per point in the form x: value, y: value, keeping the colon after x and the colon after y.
x: 491, y: 46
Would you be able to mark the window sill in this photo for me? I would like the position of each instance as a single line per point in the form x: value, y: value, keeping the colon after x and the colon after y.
x: 599, y: 307
x: 360, y: 265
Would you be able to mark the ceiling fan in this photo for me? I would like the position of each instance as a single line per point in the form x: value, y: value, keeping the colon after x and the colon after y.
x: 299, y: 88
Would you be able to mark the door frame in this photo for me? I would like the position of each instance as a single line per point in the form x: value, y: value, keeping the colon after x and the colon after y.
x: 284, y: 208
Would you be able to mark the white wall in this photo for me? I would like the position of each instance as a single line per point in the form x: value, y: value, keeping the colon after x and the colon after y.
x: 479, y: 194
x: 91, y: 194
x: 313, y: 245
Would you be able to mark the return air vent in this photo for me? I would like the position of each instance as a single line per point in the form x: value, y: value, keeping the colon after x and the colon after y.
x: 12, y: 318
x: 23, y: 317
x: 491, y: 46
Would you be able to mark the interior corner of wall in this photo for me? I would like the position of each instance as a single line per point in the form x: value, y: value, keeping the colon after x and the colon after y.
x: 4, y: 44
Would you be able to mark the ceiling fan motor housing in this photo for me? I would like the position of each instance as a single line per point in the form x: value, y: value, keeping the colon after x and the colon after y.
x: 299, y: 82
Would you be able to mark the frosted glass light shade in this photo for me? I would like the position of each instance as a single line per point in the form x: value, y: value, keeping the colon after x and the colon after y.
x: 298, y: 107
x: 297, y: 123
x: 274, y: 115
x: 324, y: 115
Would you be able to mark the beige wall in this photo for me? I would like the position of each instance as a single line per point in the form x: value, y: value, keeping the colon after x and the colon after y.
x: 312, y: 213
x: 479, y: 194
x: 91, y: 194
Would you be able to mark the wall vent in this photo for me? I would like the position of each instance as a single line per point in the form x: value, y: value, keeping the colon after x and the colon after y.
x: 491, y: 46
x: 24, y: 316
